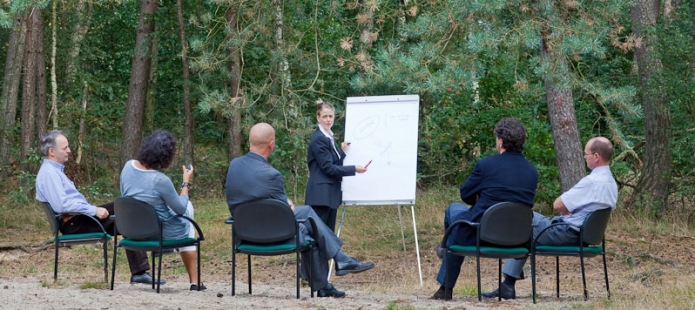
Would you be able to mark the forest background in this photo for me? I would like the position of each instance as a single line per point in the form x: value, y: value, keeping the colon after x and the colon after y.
x: 110, y: 72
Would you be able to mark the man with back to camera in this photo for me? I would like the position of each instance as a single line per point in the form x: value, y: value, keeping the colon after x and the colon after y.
x: 250, y: 178
x: 54, y: 187
x: 593, y: 192
x: 507, y: 176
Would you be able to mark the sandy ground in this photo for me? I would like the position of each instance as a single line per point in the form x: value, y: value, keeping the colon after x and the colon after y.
x: 28, y: 293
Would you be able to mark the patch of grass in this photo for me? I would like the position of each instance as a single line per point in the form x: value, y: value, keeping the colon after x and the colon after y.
x: 95, y: 285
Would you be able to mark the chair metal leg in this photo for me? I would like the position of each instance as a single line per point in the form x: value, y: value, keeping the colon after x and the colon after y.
x: 499, y: 278
x: 586, y: 292
x: 55, y: 262
x: 605, y: 274
x: 311, y: 267
x: 113, y: 267
x: 233, y: 260
x: 233, y: 268
x: 106, y: 262
x: 477, y: 263
x: 298, y: 272
x: 557, y: 276
x: 197, y: 249
x: 248, y: 261
x: 159, y: 270
x: 533, y: 277
x: 154, y: 271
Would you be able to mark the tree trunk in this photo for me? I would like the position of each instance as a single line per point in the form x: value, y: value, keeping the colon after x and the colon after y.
x: 150, y: 103
x: 10, y: 89
x: 188, y: 133
x: 81, y: 130
x: 54, y: 78
x: 139, y: 75
x: 653, y: 186
x: 84, y: 10
x: 234, y: 84
x: 29, y: 88
x: 41, y: 110
x: 568, y: 146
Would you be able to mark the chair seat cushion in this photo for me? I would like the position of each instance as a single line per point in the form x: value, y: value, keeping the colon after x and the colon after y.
x: 249, y: 247
x: 469, y: 250
x: 569, y: 249
x: 155, y: 243
x: 84, y: 236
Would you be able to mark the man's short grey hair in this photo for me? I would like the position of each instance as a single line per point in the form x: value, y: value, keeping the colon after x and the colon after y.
x: 49, y: 140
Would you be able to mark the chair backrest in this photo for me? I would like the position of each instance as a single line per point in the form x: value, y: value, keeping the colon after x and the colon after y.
x: 507, y: 224
x: 264, y: 221
x: 51, y: 216
x: 136, y: 219
x: 594, y: 226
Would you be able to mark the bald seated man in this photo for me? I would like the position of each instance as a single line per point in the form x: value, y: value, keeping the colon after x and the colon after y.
x: 595, y: 191
x: 251, y: 178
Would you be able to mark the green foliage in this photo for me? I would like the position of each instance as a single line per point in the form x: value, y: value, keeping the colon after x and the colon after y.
x: 471, y: 62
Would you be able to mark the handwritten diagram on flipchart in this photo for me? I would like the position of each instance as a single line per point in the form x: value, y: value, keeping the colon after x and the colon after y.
x: 382, y: 130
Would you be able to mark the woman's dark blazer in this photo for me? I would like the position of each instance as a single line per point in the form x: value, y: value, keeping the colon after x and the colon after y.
x: 326, y: 172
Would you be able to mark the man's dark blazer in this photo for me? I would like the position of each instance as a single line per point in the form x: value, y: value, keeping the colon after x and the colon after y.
x: 250, y: 178
x: 499, y: 178
x: 326, y: 172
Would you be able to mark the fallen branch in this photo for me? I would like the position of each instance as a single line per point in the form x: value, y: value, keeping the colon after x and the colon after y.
x: 24, y: 247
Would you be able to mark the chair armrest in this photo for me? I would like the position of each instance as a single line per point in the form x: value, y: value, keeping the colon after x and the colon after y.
x: 457, y: 223
x: 197, y: 228
x: 229, y: 221
x: 91, y: 217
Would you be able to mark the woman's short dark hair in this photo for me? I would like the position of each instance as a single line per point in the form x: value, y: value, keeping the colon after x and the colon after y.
x: 157, y: 150
x: 512, y: 133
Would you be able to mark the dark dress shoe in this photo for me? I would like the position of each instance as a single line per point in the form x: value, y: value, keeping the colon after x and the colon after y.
x: 195, y: 287
x: 505, y: 291
x: 351, y: 266
x: 442, y: 294
x: 330, y: 291
x: 440, y: 251
x: 144, y: 278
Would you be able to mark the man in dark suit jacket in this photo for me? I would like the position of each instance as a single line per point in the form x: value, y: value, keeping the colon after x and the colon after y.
x: 507, y: 176
x: 250, y: 178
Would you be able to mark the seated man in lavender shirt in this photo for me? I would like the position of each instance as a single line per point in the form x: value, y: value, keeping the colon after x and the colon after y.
x: 54, y: 188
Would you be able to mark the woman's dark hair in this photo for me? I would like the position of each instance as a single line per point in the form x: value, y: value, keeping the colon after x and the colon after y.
x: 157, y: 150
x: 512, y: 133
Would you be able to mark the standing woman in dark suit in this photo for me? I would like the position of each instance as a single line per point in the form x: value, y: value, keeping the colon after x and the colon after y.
x: 326, y: 170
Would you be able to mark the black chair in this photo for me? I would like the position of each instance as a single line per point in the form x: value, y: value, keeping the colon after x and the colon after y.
x: 591, y: 243
x: 504, y: 231
x: 55, y: 221
x: 141, y: 229
x: 267, y: 227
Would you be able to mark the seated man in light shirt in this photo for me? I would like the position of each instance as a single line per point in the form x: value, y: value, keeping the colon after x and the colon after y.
x: 54, y: 188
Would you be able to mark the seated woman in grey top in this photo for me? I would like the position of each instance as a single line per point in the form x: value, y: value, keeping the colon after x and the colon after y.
x: 142, y: 180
